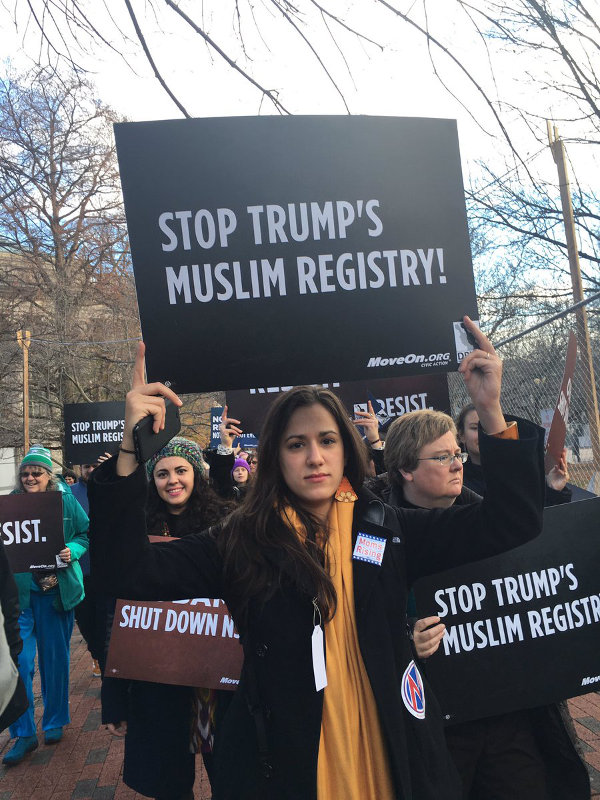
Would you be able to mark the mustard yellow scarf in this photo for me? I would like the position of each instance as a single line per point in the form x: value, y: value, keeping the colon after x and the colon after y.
x: 353, y: 763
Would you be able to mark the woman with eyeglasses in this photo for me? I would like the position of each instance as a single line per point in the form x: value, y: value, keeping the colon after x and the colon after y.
x: 315, y: 571
x: 424, y: 463
x: 525, y: 755
x: 424, y: 466
x: 47, y: 599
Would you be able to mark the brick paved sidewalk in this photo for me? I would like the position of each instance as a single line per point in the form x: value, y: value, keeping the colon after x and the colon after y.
x: 88, y: 763
x: 585, y: 710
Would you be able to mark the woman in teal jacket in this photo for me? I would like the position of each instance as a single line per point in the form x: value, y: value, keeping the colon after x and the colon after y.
x: 47, y: 601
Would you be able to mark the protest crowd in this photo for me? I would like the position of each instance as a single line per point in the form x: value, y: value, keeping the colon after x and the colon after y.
x: 314, y: 541
x: 362, y: 599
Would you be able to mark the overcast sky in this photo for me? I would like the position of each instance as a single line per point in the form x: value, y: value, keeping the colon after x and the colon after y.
x: 393, y: 77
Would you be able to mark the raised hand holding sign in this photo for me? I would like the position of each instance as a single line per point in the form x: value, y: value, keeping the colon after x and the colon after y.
x: 482, y: 373
x: 143, y: 400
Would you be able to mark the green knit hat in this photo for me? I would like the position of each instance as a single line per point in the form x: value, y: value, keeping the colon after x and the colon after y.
x: 184, y: 448
x: 38, y: 456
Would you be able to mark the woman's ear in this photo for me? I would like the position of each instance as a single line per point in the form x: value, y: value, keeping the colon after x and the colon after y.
x: 406, y: 474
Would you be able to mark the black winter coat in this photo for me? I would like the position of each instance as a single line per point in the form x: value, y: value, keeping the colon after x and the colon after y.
x: 9, y: 598
x: 158, y: 761
x: 267, y: 745
x: 552, y: 726
x: 394, y: 496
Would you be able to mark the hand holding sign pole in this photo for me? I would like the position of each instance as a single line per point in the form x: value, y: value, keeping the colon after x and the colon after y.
x: 427, y: 635
x: 143, y: 400
x: 558, y: 476
x: 229, y: 429
x: 482, y: 373
x: 367, y: 420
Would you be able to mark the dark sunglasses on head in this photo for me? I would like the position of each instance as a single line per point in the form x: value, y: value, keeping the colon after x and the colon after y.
x: 31, y: 474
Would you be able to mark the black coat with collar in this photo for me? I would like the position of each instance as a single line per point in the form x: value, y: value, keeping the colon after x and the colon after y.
x: 551, y: 726
x: 9, y: 599
x: 393, y: 495
x: 276, y: 704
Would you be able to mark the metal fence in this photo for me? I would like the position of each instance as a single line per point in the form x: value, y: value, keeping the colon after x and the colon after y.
x: 534, y: 363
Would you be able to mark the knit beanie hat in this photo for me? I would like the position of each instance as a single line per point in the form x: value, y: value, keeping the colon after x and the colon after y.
x: 240, y: 462
x: 37, y: 456
x: 184, y: 448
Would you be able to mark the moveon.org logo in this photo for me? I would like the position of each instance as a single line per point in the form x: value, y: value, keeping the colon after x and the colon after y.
x: 590, y: 679
x: 410, y: 358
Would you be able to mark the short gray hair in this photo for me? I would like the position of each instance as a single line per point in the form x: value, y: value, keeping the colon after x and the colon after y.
x: 408, y: 434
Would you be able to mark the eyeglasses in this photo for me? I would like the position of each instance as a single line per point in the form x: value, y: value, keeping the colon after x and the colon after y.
x: 31, y: 474
x: 448, y: 459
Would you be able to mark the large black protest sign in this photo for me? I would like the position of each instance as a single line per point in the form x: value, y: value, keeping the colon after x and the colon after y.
x: 273, y: 250
x: 92, y: 429
x: 391, y: 398
x: 31, y: 526
x: 523, y: 628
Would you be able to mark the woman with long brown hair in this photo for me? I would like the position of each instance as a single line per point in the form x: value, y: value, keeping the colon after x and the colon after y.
x: 315, y: 571
x: 165, y: 725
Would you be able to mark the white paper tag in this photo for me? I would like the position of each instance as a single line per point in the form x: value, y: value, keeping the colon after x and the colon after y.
x: 318, y: 657
x: 369, y: 548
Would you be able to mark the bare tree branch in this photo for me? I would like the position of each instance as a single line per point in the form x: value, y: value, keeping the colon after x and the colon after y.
x: 268, y: 93
x: 151, y: 61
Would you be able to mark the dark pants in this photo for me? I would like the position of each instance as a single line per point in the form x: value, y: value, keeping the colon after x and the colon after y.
x: 498, y: 758
x: 158, y: 761
x: 90, y: 620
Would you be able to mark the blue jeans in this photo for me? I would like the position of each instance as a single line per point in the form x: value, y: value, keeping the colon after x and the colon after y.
x: 52, y: 630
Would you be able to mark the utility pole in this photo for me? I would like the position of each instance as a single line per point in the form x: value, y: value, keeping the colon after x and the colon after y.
x: 24, y: 340
x: 583, y: 335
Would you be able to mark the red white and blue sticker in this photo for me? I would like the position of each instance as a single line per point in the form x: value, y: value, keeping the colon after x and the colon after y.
x: 369, y: 548
x: 413, y: 694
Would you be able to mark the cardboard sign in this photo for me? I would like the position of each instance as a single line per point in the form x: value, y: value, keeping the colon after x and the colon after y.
x: 92, y: 429
x: 546, y: 415
x: 185, y: 642
x: 522, y: 628
x: 31, y: 526
x: 391, y: 398
x: 558, y: 429
x: 290, y: 249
